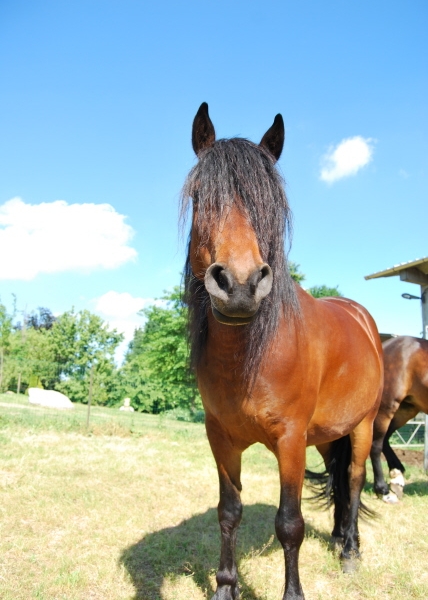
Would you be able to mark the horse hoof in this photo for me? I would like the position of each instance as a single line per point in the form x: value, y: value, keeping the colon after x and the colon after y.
x: 397, y: 489
x: 390, y: 498
x: 381, y: 495
x: 227, y: 593
x: 397, y: 482
x: 350, y: 565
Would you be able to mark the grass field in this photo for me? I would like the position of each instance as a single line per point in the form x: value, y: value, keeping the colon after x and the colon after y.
x: 126, y: 511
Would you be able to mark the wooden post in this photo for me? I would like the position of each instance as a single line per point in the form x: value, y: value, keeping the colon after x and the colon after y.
x: 90, y: 396
x: 18, y: 387
x: 424, y: 303
x: 426, y: 445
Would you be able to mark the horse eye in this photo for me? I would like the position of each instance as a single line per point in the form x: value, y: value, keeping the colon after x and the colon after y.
x: 195, y: 198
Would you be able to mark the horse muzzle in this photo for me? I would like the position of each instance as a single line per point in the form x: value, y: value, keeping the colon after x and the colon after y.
x: 233, y: 302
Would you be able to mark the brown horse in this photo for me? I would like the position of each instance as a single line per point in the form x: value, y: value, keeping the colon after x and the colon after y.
x: 405, y: 394
x: 273, y: 364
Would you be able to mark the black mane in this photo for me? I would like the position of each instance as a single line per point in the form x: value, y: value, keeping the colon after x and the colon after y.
x: 238, y: 171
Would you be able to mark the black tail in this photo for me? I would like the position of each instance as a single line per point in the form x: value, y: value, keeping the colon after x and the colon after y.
x: 332, y: 486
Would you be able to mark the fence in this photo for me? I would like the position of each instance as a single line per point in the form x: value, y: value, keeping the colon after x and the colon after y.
x: 411, y: 435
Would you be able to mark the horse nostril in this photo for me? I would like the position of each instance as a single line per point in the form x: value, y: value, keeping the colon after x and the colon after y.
x: 257, y: 277
x: 224, y: 281
x: 219, y: 279
x: 265, y: 271
x: 254, y: 282
x: 263, y: 282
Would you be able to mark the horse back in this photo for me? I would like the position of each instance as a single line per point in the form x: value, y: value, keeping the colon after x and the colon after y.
x: 406, y: 371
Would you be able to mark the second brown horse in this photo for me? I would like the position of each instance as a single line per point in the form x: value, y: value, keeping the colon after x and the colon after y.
x: 405, y: 394
x: 273, y: 364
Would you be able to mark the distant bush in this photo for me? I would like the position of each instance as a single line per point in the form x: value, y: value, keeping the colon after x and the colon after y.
x: 186, y: 415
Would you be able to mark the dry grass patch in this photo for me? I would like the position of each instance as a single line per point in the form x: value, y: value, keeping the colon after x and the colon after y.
x: 115, y: 517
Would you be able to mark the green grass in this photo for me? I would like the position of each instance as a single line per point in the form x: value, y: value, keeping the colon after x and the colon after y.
x: 16, y: 410
x: 126, y: 511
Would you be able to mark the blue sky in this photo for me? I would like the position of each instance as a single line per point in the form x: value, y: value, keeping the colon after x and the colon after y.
x: 96, y: 105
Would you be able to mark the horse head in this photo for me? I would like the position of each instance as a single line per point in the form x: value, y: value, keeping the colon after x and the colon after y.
x: 225, y: 251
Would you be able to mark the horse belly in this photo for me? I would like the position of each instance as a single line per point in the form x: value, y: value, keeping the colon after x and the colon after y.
x: 339, y: 415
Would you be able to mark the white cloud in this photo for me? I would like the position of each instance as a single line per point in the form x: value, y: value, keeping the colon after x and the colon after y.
x: 54, y: 237
x: 120, y: 311
x: 120, y: 305
x: 347, y: 158
x: 123, y: 306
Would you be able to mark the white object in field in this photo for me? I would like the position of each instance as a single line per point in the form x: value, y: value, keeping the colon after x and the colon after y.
x: 127, y: 405
x: 49, y: 398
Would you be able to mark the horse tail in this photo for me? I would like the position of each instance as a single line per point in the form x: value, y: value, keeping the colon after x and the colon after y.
x: 332, y: 485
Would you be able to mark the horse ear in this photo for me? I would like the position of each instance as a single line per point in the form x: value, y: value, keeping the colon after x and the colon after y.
x: 273, y: 139
x: 203, y: 132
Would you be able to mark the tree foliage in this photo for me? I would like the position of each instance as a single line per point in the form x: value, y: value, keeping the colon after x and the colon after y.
x: 60, y: 353
x: 295, y: 273
x: 322, y: 291
x: 67, y: 352
x: 81, y: 343
x: 317, y: 291
x: 43, y: 319
x: 5, y: 334
x: 156, y: 372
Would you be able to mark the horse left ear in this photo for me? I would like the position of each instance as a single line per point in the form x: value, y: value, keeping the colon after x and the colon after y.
x: 203, y: 132
x: 273, y: 139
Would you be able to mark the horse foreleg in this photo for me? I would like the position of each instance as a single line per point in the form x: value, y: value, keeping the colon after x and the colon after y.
x: 380, y: 427
x: 391, y: 458
x: 289, y: 524
x: 228, y: 460
x: 405, y: 413
x: 340, y: 504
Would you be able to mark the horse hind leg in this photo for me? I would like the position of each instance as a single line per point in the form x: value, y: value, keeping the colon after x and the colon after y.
x: 360, y: 440
x: 332, y: 491
x: 348, y: 456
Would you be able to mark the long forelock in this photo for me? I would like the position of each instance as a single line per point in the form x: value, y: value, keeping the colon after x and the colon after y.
x: 238, y: 171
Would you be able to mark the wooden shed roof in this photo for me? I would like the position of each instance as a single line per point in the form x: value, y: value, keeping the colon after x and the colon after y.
x: 420, y: 264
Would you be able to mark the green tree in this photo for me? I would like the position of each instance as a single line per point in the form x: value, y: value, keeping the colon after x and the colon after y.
x: 322, y: 291
x: 156, y: 373
x: 30, y: 359
x: 295, y: 273
x: 5, y: 333
x: 81, y: 343
x: 42, y: 319
x: 317, y: 291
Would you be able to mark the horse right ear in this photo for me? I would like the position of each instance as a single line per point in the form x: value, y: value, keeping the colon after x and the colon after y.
x: 273, y: 139
x: 203, y: 132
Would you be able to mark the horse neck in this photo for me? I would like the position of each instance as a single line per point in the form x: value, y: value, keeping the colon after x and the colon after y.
x: 225, y: 342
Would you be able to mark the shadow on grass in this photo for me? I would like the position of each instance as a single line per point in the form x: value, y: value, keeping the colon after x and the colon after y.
x: 192, y: 549
x: 416, y: 488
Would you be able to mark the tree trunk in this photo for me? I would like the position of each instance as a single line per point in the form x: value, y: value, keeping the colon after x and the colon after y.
x: 1, y: 368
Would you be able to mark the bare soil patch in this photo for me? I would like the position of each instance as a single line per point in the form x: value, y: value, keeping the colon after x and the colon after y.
x: 412, y: 458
